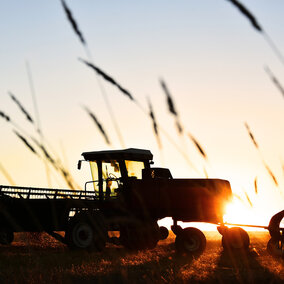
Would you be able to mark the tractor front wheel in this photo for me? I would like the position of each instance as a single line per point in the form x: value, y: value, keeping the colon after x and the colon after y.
x: 235, y: 238
x: 164, y: 233
x: 86, y: 231
x: 190, y: 241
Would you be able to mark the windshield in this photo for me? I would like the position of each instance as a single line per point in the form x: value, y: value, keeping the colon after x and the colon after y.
x: 95, y: 175
x: 134, y: 168
x: 111, y: 178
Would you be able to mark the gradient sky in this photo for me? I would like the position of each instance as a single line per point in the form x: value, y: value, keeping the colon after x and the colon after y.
x: 207, y: 52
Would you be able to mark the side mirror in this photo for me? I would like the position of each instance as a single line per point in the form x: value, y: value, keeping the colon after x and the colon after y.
x: 79, y: 164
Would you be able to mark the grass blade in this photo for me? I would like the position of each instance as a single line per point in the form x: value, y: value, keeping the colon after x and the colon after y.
x: 247, y: 14
x: 24, y: 140
x: 155, y: 125
x: 258, y: 28
x: 251, y: 136
x: 179, y: 127
x: 271, y: 174
x: 73, y: 22
x: 99, y: 125
x: 274, y: 80
x: 45, y: 152
x: 112, y: 81
x: 21, y: 107
x: 57, y: 165
x: 89, y: 56
x: 33, y: 94
x: 248, y: 199
x: 108, y: 78
x: 7, y: 175
x: 171, y: 106
x: 205, y: 172
x: 255, y: 185
x: 66, y: 175
x: 170, y: 102
x: 6, y: 117
x: 238, y: 197
x: 197, y: 144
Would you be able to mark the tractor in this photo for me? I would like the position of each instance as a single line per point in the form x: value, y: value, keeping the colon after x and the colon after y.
x: 128, y: 195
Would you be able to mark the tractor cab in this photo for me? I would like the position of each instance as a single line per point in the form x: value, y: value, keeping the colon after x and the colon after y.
x: 111, y: 169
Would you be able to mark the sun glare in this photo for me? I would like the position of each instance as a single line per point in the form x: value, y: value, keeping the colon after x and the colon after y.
x: 237, y: 212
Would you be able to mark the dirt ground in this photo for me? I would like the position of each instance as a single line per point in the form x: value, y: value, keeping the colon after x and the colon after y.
x: 41, y: 259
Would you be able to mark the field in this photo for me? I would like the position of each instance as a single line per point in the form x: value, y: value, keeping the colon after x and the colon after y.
x: 40, y: 259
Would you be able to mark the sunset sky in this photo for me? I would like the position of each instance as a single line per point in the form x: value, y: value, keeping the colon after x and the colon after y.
x: 207, y: 52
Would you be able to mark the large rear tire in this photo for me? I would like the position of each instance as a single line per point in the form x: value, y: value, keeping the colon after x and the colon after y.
x: 190, y: 241
x: 86, y: 231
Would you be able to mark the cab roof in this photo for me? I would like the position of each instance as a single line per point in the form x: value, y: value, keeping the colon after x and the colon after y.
x: 126, y: 154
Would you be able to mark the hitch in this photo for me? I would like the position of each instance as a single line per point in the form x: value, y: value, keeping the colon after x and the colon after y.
x: 176, y: 228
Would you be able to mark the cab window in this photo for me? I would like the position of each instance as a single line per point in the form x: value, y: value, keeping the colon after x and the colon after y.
x: 111, y: 175
x: 134, y: 168
x: 95, y: 176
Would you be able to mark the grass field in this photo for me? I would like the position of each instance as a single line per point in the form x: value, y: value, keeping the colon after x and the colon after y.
x: 44, y: 260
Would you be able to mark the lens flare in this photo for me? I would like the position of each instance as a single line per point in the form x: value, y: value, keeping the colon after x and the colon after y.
x: 238, y: 212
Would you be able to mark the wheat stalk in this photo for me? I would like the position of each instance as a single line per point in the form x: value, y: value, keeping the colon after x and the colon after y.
x: 108, y: 78
x: 252, y: 19
x: 21, y: 107
x: 154, y: 122
x: 255, y: 185
x: 198, y: 146
x: 7, y: 175
x: 251, y: 135
x: 271, y: 174
x: 88, y: 53
x: 24, y: 140
x: 248, y: 199
x: 274, y: 80
x: 171, y: 106
x: 247, y: 14
x: 48, y: 157
x: 257, y: 147
x: 125, y: 92
x: 73, y: 22
x: 98, y: 124
x: 3, y: 115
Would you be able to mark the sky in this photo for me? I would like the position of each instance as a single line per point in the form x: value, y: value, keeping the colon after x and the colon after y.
x: 210, y: 57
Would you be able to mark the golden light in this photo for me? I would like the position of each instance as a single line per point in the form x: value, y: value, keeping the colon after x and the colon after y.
x: 238, y: 212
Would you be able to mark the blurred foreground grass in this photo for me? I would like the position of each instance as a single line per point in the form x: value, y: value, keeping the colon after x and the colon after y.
x: 44, y: 260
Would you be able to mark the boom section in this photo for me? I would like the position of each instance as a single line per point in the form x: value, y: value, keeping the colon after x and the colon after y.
x: 45, y: 193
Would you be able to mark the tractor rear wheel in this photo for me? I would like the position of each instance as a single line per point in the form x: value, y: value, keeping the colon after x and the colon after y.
x: 6, y: 236
x: 190, y: 241
x: 140, y: 237
x: 275, y: 247
x: 86, y: 231
x: 235, y: 238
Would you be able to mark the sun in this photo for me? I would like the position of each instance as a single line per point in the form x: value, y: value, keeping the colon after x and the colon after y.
x: 238, y: 212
